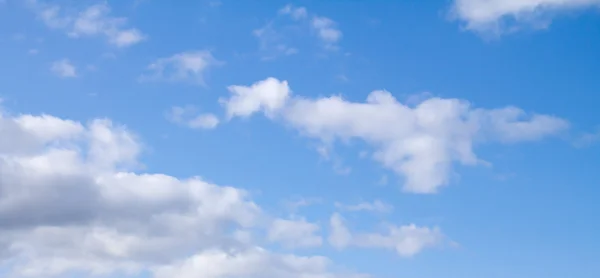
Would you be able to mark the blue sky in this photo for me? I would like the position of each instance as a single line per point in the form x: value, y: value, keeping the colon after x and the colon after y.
x: 225, y: 139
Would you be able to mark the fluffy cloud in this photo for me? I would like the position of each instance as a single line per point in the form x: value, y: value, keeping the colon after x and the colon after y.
x: 500, y: 15
x: 420, y: 143
x: 95, y: 20
x: 72, y: 203
x: 188, y: 116
x: 64, y: 68
x: 407, y: 240
x: 375, y: 206
x: 269, y: 95
x: 189, y: 66
x: 296, y: 233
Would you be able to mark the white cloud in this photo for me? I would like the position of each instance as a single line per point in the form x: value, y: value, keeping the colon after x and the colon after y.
x: 189, y: 66
x: 64, y: 68
x: 587, y: 139
x: 296, y: 13
x: 497, y: 16
x: 268, y: 95
x: 95, y: 20
x: 251, y: 263
x: 33, y: 51
x: 275, y: 37
x: 407, y: 241
x: 294, y: 204
x: 327, y: 31
x: 294, y: 233
x: 339, y: 235
x: 375, y: 206
x: 71, y: 203
x: 188, y: 116
x: 272, y: 40
x: 420, y: 143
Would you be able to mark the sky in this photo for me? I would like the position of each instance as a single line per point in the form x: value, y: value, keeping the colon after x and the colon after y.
x: 302, y: 139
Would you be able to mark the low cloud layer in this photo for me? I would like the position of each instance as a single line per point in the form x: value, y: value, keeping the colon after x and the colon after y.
x: 73, y: 202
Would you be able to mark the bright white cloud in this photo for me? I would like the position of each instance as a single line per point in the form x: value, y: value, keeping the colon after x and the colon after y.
x: 497, y: 16
x: 407, y: 241
x: 71, y: 202
x: 375, y: 206
x: 95, y: 20
x: 294, y: 233
x: 420, y: 143
x: 190, y: 66
x: 189, y: 117
x: 64, y: 68
x: 269, y: 95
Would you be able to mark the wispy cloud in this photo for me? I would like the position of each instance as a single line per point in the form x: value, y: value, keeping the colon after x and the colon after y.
x: 188, y: 116
x: 297, y: 13
x: 275, y: 39
x: 297, y: 203
x: 64, y: 68
x: 375, y: 206
x: 587, y: 139
x: 407, y: 240
x: 95, y: 20
x: 187, y: 66
x: 327, y: 31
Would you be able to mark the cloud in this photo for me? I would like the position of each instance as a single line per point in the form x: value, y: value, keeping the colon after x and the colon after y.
x: 407, y: 241
x: 587, y: 139
x: 72, y: 202
x: 296, y: 203
x: 296, y: 13
x: 419, y: 142
x: 296, y: 233
x: 189, y: 66
x: 92, y: 21
x: 375, y: 206
x: 273, y: 43
x: 64, y: 68
x: 251, y: 263
x: 269, y: 95
x: 498, y: 16
x: 275, y: 39
x: 338, y: 164
x: 188, y: 116
x: 327, y: 31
